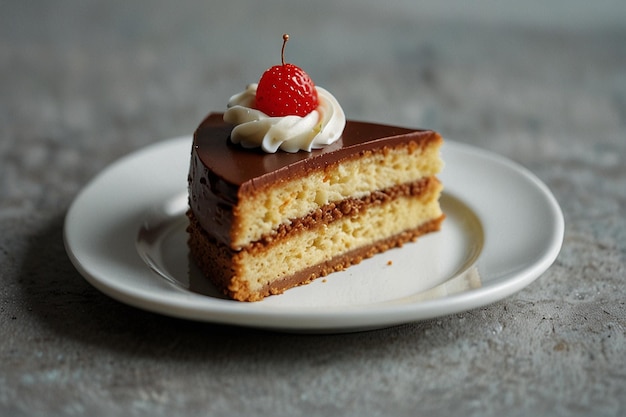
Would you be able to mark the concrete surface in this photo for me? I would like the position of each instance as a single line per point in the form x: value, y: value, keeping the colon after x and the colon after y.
x: 85, y: 82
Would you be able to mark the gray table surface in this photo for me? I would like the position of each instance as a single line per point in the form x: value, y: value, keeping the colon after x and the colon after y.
x: 83, y: 83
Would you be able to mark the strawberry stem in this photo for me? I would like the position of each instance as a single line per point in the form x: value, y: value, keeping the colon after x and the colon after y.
x: 282, y: 52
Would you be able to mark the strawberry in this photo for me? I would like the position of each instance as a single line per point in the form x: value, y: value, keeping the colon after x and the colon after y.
x: 285, y: 90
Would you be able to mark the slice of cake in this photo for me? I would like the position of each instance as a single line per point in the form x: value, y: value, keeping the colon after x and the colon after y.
x: 262, y: 223
x: 279, y: 199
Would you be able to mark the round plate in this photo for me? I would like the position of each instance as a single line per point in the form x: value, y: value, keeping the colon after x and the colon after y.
x: 125, y: 233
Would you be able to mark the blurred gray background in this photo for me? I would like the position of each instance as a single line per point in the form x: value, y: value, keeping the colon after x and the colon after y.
x: 541, y: 82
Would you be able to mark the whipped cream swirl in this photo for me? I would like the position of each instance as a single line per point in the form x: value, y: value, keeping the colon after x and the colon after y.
x: 254, y: 128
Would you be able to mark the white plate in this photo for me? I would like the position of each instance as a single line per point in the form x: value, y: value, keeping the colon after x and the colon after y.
x: 125, y: 234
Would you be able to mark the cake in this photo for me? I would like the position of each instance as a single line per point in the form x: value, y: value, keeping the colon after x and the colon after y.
x: 266, y: 215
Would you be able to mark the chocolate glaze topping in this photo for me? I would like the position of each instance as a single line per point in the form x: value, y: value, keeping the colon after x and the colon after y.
x: 252, y: 168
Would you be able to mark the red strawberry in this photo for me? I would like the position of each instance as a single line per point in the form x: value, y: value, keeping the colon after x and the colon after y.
x: 286, y: 90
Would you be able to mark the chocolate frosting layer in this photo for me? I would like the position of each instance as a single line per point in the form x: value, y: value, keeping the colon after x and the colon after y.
x: 253, y: 168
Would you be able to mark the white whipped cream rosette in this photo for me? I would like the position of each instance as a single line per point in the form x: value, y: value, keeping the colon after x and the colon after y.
x: 253, y: 128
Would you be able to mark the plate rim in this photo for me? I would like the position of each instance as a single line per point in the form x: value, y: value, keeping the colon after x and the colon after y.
x: 328, y: 320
